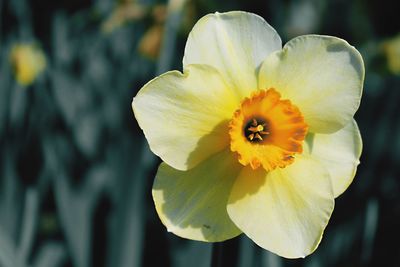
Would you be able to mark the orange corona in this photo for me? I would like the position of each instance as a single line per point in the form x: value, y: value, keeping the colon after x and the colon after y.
x: 267, y: 131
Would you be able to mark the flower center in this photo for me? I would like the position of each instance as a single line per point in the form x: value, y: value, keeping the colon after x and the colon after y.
x: 255, y: 130
x: 267, y: 131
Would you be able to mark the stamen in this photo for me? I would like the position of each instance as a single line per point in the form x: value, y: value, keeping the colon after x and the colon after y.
x: 255, y: 130
x: 251, y: 137
x: 258, y: 136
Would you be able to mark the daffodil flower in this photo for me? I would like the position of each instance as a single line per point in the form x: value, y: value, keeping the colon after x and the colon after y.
x: 28, y: 61
x: 391, y: 50
x: 255, y: 138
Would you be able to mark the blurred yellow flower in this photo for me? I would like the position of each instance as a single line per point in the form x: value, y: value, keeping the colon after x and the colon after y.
x: 391, y: 49
x: 150, y: 43
x: 125, y: 11
x: 28, y: 61
x: 255, y: 138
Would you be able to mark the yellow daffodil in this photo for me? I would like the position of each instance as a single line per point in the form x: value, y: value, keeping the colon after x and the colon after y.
x: 255, y: 138
x: 391, y: 49
x: 28, y: 61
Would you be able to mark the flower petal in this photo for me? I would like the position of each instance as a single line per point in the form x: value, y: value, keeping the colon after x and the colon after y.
x: 285, y: 210
x: 185, y: 116
x: 339, y: 153
x: 322, y: 75
x: 235, y: 43
x: 192, y: 204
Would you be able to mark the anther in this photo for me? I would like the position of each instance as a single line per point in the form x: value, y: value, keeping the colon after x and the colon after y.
x: 255, y: 131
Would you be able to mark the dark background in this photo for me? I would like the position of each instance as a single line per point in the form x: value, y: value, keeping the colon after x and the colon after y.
x: 75, y: 169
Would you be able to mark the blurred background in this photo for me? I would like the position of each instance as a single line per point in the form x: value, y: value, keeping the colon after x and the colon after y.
x: 76, y: 172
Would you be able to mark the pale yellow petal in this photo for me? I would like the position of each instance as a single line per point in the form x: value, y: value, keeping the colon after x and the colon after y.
x: 286, y: 210
x: 339, y: 153
x: 322, y: 75
x: 185, y: 116
x: 192, y: 204
x: 235, y: 43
